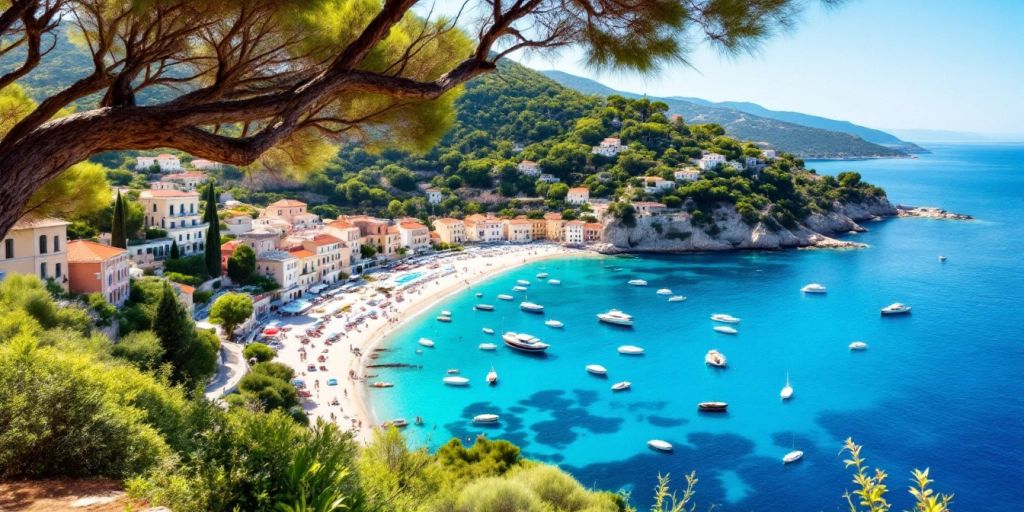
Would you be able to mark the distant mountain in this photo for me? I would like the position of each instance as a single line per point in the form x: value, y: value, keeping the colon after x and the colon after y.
x: 787, y: 131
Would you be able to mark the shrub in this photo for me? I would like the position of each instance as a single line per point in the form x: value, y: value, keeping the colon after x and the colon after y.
x: 141, y: 348
x: 498, y: 495
x: 259, y: 351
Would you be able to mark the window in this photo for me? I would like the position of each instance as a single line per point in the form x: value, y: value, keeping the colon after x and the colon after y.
x: 42, y: 244
x: 42, y: 270
x: 9, y: 248
x: 56, y: 270
x: 154, y: 207
x: 56, y: 246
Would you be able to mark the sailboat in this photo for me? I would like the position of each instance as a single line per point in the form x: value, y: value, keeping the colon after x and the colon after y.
x: 492, y: 377
x: 794, y: 455
x: 787, y: 391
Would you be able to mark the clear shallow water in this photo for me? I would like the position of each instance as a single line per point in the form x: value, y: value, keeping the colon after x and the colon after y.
x: 941, y: 388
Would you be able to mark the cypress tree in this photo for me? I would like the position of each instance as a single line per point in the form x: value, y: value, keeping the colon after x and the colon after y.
x: 175, y: 251
x: 119, y: 225
x: 174, y: 329
x: 212, y: 233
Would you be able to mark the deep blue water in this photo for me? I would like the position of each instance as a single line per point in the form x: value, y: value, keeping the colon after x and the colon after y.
x: 941, y: 388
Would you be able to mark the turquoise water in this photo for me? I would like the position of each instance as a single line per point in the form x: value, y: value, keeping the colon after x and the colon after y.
x: 408, y: 277
x: 940, y: 388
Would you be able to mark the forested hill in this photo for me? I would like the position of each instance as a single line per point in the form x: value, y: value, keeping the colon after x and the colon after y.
x: 806, y: 141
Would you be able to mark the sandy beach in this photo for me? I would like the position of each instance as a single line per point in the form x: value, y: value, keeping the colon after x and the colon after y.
x: 360, y: 321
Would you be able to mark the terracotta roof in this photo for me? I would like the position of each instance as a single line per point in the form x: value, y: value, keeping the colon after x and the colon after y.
x: 166, y: 155
x: 230, y: 245
x: 341, y: 224
x: 286, y: 203
x: 412, y: 225
x: 184, y: 175
x: 447, y: 220
x: 302, y: 253
x: 593, y: 225
x: 167, y: 193
x: 325, y: 240
x: 85, y: 251
x: 186, y: 288
x: 517, y: 221
x: 579, y: 189
x: 392, y: 229
x: 553, y: 216
x: 32, y: 221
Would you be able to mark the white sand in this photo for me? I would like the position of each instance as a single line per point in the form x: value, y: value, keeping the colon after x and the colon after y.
x: 352, y: 409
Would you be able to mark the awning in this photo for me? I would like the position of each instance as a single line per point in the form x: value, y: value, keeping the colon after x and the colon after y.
x: 317, y: 288
x: 297, y: 306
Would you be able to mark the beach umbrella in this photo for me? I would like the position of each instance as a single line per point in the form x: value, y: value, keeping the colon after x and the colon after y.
x: 270, y: 331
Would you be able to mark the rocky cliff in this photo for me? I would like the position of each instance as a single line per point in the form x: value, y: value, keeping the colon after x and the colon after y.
x: 673, y: 232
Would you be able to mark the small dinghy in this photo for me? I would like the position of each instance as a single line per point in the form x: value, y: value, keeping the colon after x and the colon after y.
x: 488, y: 330
x: 636, y: 282
x: 531, y: 307
x: 487, y: 346
x: 712, y: 406
x: 722, y: 317
x: 554, y: 323
x: 478, y: 295
x: 426, y: 342
x: 597, y: 369
x: 621, y: 386
x: 382, y: 384
x: 542, y: 275
x: 492, y: 377
x: 456, y: 381
x: 519, y: 288
x: 664, y: 291
x: 631, y: 350
x: 676, y: 298
x: 453, y: 371
x: 444, y: 318
x: 486, y: 418
x: 523, y: 282
x: 858, y: 345
x: 484, y: 307
x: 725, y: 329
x: 554, y: 282
x: 659, y: 445
x: 506, y: 297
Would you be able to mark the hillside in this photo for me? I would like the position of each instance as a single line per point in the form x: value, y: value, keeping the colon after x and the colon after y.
x: 828, y: 140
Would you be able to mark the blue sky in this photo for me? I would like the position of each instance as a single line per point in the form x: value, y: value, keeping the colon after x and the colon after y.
x: 939, y: 64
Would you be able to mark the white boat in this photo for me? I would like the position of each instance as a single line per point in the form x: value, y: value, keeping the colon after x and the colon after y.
x: 616, y: 317
x: 621, y: 386
x: 523, y: 282
x: 715, y: 358
x: 554, y: 323
x: 506, y: 297
x: 492, y: 377
x: 896, y: 309
x: 453, y: 371
x: 446, y: 313
x: 484, y: 307
x: 542, y: 275
x: 661, y: 446
x: 664, y: 291
x: 858, y: 345
x: 531, y: 307
x: 456, y: 381
x: 942, y: 258
x: 524, y: 342
x: 676, y: 298
x: 478, y: 295
x: 426, y: 342
x: 597, y: 369
x: 636, y: 282
x: 725, y: 329
x: 487, y: 346
x: 519, y: 288
x: 722, y: 317
x: 787, y: 390
x: 382, y: 384
x: 485, y: 418
x: 554, y: 282
x: 792, y: 456
x: 631, y: 350
x: 488, y: 330
x: 444, y: 318
x: 814, y: 288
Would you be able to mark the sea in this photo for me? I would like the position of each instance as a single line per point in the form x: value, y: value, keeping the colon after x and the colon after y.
x: 941, y: 388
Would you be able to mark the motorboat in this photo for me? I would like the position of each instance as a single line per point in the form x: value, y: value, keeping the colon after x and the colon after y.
x: 398, y: 423
x: 615, y: 317
x: 486, y: 418
x: 381, y: 384
x: 942, y: 258
x: 724, y: 318
x: 487, y: 346
x: 426, y: 342
x: 676, y: 298
x: 621, y: 386
x: 725, y: 329
x: 444, y: 318
x: 506, y: 297
x: 715, y: 358
x: 478, y: 295
x: 597, y: 369
x: 531, y: 307
x: 456, y: 381
x: 554, y: 282
x: 519, y: 288
x: 814, y: 288
x: 631, y: 350
x: 858, y: 345
x: 453, y: 371
x: 542, y: 275
x: 896, y: 308
x: 488, y: 330
x: 712, y: 406
x: 787, y: 390
x: 661, y: 446
x: 446, y: 313
x: 636, y: 282
x: 523, y: 282
x: 554, y: 323
x: 492, y: 377
x: 484, y: 307
x: 664, y: 291
x: 792, y: 456
x: 524, y: 342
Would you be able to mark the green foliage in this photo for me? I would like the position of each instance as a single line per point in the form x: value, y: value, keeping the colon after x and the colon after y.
x: 211, y: 251
x: 258, y: 351
x: 175, y: 252
x: 142, y: 349
x: 118, y: 224
x: 231, y: 310
x: 178, y: 277
x: 242, y: 264
x: 194, y: 266
x: 105, y: 311
x: 870, y: 491
x: 368, y: 251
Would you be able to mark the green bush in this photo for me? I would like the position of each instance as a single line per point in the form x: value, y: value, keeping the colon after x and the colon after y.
x: 498, y: 495
x: 141, y: 348
x: 259, y: 351
x: 178, y: 277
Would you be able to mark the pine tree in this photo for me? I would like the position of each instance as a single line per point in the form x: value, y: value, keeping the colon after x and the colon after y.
x: 175, y: 250
x: 213, y: 265
x: 119, y: 225
x: 175, y: 331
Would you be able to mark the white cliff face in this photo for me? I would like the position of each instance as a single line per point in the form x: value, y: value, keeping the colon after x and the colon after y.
x: 673, y: 232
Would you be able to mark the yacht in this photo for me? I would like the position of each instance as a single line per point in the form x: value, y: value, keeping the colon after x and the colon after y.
x: 814, y: 288
x: 725, y: 329
x: 896, y: 309
x: 787, y: 390
x: 444, y: 318
x: 524, y: 342
x: 487, y: 346
x: 519, y: 288
x: 426, y: 342
x: 722, y: 317
x: 616, y: 317
x: 488, y: 330
x: 792, y: 456
x: 676, y: 298
x: 712, y: 406
x: 664, y: 291
x: 531, y: 307
x: 523, y: 282
x: 492, y: 377
x: 631, y: 350
x: 636, y: 282
x: 554, y: 323
x: 542, y: 275
x: 456, y: 381
x: 597, y: 369
x: 621, y: 386
x: 554, y: 282
x: 453, y: 371
x: 715, y: 358
x: 858, y: 345
x: 485, y: 418
x: 484, y: 307
x: 506, y: 297
x: 661, y: 446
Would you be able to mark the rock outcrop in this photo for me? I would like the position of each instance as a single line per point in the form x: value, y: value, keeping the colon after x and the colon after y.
x: 673, y: 232
x: 929, y: 212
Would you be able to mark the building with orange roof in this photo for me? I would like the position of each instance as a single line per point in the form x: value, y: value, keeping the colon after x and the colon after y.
x: 329, y: 252
x: 36, y: 246
x: 553, y: 226
x: 205, y: 165
x: 648, y: 207
x: 593, y: 232
x: 413, y: 235
x: 518, y: 230
x: 165, y: 161
x: 484, y: 228
x: 377, y: 233
x: 577, y: 195
x: 308, y: 273
x: 185, y: 295
x: 186, y: 181
x: 351, y: 247
x: 573, y: 232
x: 98, y: 268
x: 290, y: 212
x: 450, y: 231
x: 176, y: 212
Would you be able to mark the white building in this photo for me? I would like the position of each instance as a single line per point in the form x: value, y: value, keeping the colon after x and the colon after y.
x: 205, y: 165
x: 433, y: 196
x: 239, y: 224
x: 413, y: 235
x: 166, y: 161
x: 711, y: 161
x: 548, y: 178
x: 529, y: 168
x: 648, y: 207
x: 687, y: 175
x: 657, y: 185
x: 577, y: 195
x: 768, y: 154
x: 186, y: 181
x: 610, y: 146
x: 572, y: 232
x: 751, y: 163
x: 176, y: 212
x: 484, y: 229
